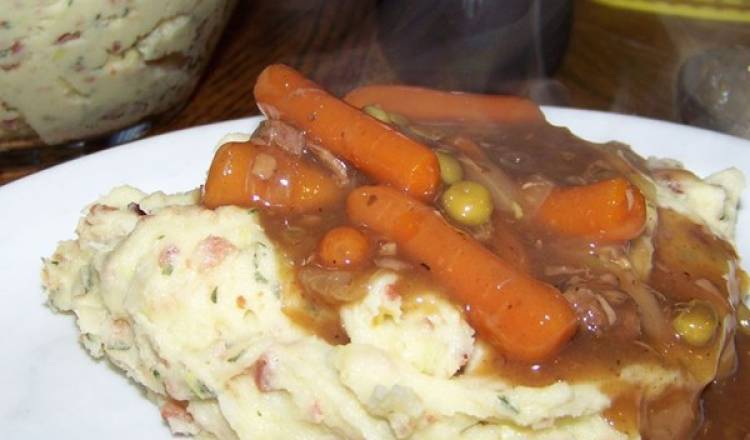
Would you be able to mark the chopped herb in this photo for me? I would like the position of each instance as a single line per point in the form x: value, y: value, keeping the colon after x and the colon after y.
x: 259, y: 278
x: 252, y: 211
x: 125, y: 12
x: 259, y: 413
x: 160, y: 237
x: 235, y: 357
x: 214, y: 295
x: 70, y: 2
x: 507, y: 403
x: 204, y: 390
x: 199, y: 389
x: 156, y: 374
x: 256, y: 262
x: 54, y: 262
x: 89, y: 277
x: 167, y: 270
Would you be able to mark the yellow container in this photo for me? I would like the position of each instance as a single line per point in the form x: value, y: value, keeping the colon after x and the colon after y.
x: 722, y: 10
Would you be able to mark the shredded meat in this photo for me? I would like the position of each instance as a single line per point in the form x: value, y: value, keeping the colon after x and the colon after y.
x: 604, y: 310
x: 276, y: 133
x: 284, y: 136
x: 592, y: 314
x: 337, y: 166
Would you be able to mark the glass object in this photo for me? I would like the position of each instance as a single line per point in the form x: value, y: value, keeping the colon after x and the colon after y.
x: 72, y: 70
x: 713, y: 90
x: 473, y: 45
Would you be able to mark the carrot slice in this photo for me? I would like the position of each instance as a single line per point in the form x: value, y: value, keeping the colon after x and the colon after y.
x: 252, y: 175
x: 523, y: 317
x: 375, y: 148
x: 609, y: 210
x: 427, y: 105
x: 343, y: 247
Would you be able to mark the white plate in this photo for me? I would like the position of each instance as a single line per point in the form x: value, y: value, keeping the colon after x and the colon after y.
x: 50, y: 388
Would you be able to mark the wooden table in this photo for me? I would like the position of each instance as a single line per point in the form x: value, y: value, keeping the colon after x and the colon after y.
x: 616, y: 60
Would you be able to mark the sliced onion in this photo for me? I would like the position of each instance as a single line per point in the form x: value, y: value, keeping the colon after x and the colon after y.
x: 504, y: 191
x: 337, y: 166
x: 653, y: 320
x: 393, y: 264
x: 264, y: 166
x: 535, y: 191
x: 332, y: 286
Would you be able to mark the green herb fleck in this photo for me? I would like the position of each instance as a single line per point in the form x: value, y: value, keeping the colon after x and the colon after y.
x: 70, y: 2
x: 506, y: 402
x: 125, y: 12
x: 205, y: 391
x: 252, y: 211
x: 54, y: 262
x: 214, y: 295
x: 89, y: 278
x: 235, y: 357
x: 199, y: 389
x: 259, y: 278
x: 259, y: 413
x: 160, y: 237
x: 156, y: 374
x: 167, y: 270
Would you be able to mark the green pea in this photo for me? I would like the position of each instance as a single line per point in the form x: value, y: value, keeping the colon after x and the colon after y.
x: 467, y: 202
x: 450, y: 168
x: 377, y: 113
x: 696, y: 323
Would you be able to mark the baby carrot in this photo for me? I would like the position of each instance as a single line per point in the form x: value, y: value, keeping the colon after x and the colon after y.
x: 523, y: 317
x: 342, y: 247
x: 371, y: 146
x: 506, y: 244
x: 252, y: 175
x: 609, y: 210
x: 428, y: 105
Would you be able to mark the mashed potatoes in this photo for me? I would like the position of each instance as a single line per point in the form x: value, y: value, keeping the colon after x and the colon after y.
x: 99, y: 65
x: 188, y: 302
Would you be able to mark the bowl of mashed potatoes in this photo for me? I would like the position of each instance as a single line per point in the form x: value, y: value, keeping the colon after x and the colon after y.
x: 100, y: 67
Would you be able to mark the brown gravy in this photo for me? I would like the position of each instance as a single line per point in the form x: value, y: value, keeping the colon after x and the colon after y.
x: 552, y: 155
